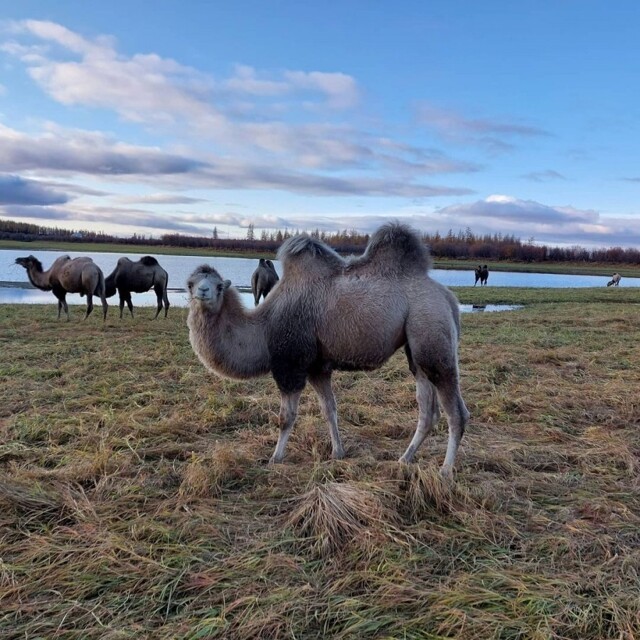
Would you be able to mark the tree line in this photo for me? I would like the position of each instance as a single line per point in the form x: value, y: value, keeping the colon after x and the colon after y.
x: 463, y: 245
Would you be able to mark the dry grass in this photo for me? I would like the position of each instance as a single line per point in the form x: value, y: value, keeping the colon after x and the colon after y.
x: 135, y: 499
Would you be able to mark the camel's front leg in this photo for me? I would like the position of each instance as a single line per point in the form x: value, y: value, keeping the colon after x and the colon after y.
x: 62, y: 304
x: 288, y: 414
x: 322, y: 385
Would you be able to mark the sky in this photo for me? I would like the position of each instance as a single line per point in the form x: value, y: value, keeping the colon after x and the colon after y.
x: 154, y: 117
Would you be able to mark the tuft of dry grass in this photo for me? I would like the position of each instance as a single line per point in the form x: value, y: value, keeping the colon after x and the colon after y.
x: 136, y: 501
x: 334, y: 516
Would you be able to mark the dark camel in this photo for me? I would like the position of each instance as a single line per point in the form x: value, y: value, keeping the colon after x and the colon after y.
x: 137, y: 277
x: 263, y: 280
x: 482, y: 275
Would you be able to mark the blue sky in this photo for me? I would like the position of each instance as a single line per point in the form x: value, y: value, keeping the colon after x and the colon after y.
x: 164, y: 116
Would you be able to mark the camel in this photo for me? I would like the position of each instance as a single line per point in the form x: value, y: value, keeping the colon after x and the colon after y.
x: 137, y: 277
x: 263, y: 280
x: 78, y: 275
x: 615, y: 280
x: 482, y: 274
x: 329, y: 313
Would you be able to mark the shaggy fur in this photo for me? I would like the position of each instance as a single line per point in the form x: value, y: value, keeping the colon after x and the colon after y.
x: 80, y: 275
x: 137, y: 277
x: 264, y: 278
x: 615, y: 280
x: 482, y: 275
x: 329, y: 313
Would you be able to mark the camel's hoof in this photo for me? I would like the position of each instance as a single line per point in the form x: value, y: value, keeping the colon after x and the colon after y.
x: 338, y: 455
x: 446, y: 473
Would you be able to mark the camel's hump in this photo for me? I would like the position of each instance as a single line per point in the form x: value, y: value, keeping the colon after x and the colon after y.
x: 304, y: 246
x: 148, y: 261
x: 396, y: 247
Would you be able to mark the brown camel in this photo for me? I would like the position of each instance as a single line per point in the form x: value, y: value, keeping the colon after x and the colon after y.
x: 80, y: 275
x: 137, y: 277
x: 329, y: 313
x: 263, y: 280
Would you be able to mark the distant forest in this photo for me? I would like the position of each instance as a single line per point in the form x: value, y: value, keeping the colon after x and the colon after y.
x: 463, y: 245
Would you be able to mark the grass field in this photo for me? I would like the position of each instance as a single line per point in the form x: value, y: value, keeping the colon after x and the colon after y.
x: 135, y: 499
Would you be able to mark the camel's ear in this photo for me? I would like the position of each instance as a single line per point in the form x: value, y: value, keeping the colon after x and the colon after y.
x: 227, y: 284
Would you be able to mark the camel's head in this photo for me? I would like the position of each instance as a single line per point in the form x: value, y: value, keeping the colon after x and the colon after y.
x: 206, y: 287
x: 29, y: 262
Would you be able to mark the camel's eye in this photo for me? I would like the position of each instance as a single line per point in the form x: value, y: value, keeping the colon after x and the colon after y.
x: 219, y: 288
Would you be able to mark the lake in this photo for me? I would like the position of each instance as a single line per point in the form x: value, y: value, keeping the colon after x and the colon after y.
x: 239, y: 271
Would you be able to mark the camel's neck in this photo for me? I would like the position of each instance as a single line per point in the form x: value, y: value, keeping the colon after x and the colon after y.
x: 231, y: 343
x: 39, y: 278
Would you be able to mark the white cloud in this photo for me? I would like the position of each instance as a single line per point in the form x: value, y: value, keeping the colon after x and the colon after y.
x: 544, y: 176
x: 58, y: 151
x: 549, y: 224
x: 492, y: 133
x: 238, y: 114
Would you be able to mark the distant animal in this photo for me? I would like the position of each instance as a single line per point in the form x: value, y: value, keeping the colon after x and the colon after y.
x: 482, y: 275
x: 78, y: 275
x: 329, y: 313
x: 137, y: 277
x: 263, y: 280
x: 615, y: 280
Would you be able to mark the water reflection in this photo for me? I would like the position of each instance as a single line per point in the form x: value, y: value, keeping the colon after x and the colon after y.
x: 177, y: 298
x: 489, y: 308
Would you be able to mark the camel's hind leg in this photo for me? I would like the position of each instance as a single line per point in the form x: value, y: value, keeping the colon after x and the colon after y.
x: 322, y: 386
x: 457, y: 417
x: 161, y: 293
x: 288, y: 414
x: 161, y: 297
x: 89, y: 305
x: 428, y: 414
x: 442, y: 373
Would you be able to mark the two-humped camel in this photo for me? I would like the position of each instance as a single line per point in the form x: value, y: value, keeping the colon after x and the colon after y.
x: 329, y: 313
x: 78, y: 275
x: 263, y: 279
x: 137, y: 277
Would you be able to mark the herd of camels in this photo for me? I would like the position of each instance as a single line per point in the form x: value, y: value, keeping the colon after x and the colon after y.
x: 82, y: 275
x: 326, y: 313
